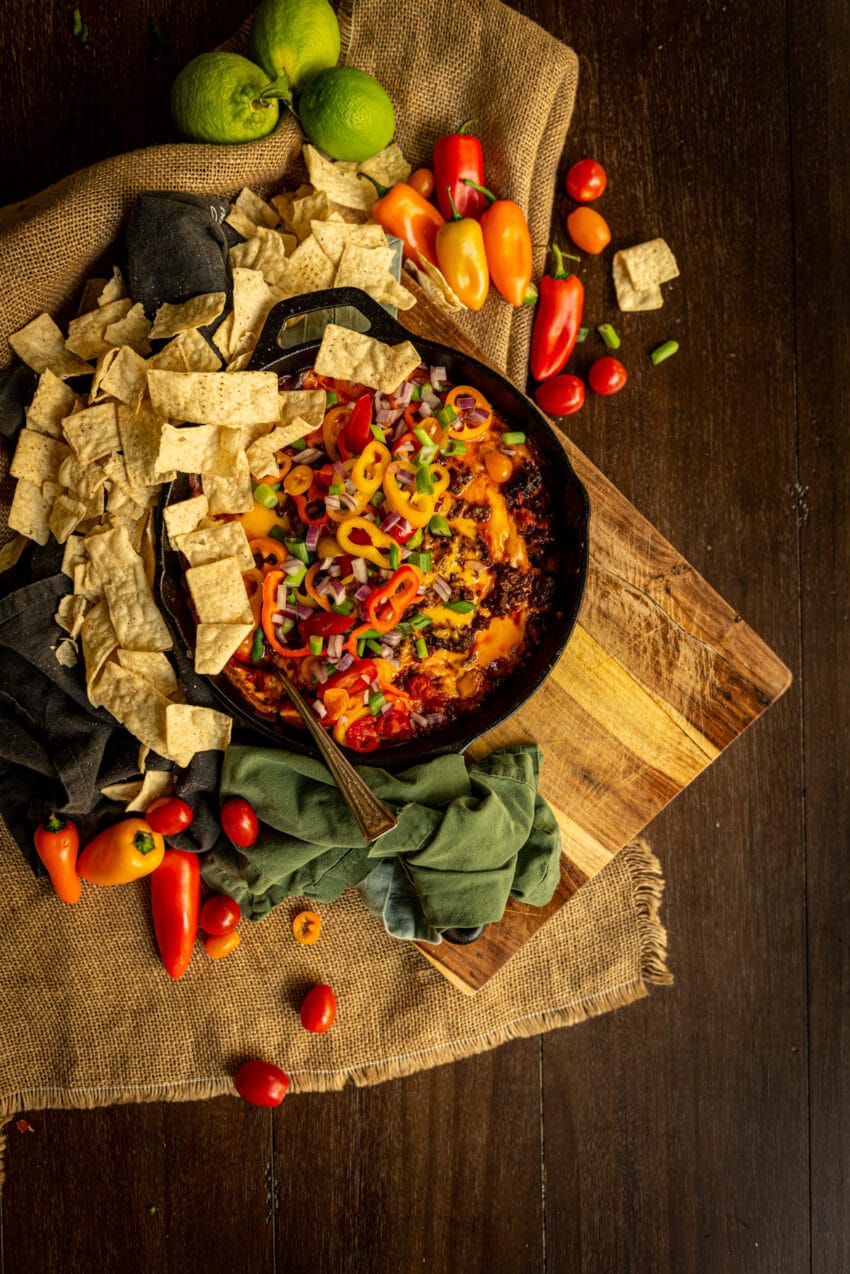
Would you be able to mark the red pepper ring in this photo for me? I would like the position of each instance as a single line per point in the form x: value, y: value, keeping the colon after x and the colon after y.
x: 361, y: 671
x: 270, y: 608
x: 386, y: 605
x: 302, y: 504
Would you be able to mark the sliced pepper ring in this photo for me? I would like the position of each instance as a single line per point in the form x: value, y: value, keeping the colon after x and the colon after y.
x: 464, y: 432
x: 415, y: 506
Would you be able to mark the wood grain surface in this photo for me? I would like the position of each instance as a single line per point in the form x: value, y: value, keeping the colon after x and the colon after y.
x: 700, y: 1130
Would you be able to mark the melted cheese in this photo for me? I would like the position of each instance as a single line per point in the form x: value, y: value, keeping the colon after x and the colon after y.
x: 499, y: 639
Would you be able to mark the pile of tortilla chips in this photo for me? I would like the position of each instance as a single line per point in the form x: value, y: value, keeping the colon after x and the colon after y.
x: 90, y: 463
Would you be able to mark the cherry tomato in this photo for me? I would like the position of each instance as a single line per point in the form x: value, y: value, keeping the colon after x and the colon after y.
x: 261, y: 1083
x: 239, y: 821
x: 395, y: 725
x: 498, y: 466
x: 586, y: 181
x: 560, y: 396
x: 219, y: 915
x: 607, y: 375
x: 588, y: 230
x: 362, y: 735
x: 423, y: 182
x: 169, y: 815
x: 222, y: 944
x: 318, y: 1009
x: 306, y: 928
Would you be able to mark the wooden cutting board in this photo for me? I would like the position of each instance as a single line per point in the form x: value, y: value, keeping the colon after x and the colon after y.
x: 659, y: 677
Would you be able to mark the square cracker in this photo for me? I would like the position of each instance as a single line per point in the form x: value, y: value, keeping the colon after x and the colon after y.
x: 629, y: 299
x: 649, y: 264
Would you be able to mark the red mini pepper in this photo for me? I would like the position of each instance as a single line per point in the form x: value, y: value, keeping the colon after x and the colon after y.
x: 557, y: 321
x: 56, y: 842
x: 403, y: 212
x: 176, y: 902
x: 458, y: 158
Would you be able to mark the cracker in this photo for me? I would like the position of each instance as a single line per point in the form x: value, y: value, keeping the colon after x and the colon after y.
x: 348, y: 355
x: 629, y: 299
x: 649, y: 264
x: 218, y: 592
x: 214, y: 399
x: 214, y: 645
x: 198, y: 311
x: 41, y: 346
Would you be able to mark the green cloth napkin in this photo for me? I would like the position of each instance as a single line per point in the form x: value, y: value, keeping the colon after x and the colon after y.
x: 468, y: 838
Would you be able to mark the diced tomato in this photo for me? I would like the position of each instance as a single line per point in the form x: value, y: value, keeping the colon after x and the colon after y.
x: 324, y: 623
x: 395, y: 725
x: 360, y: 675
x: 362, y: 735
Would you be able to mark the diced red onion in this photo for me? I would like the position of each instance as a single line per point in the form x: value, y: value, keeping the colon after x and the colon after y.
x: 386, y: 651
x: 309, y: 455
x: 438, y: 376
x: 391, y: 520
x: 281, y: 595
x: 418, y: 720
x: 341, y: 470
x: 292, y: 565
x: 425, y: 410
x: 464, y: 402
x: 405, y: 554
x: 320, y: 709
x: 404, y: 527
x: 312, y: 537
x: 334, y: 570
x: 301, y: 377
x: 434, y: 718
x: 350, y: 487
x: 508, y: 451
x: 388, y: 707
x: 333, y: 502
x: 322, y: 673
x: 325, y: 563
x: 366, y: 696
x: 324, y: 588
x: 400, y: 429
x: 477, y: 416
x: 442, y: 587
x: 363, y: 593
x: 293, y: 612
x: 384, y: 573
x: 360, y: 569
x: 404, y: 393
x: 304, y: 612
x: 335, y: 646
x: 338, y: 590
x: 345, y: 663
x: 347, y: 501
x: 388, y: 415
x: 393, y: 638
x: 404, y: 476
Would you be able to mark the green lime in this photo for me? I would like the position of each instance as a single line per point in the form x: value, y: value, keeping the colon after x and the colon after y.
x: 347, y: 114
x: 295, y: 38
x: 217, y: 97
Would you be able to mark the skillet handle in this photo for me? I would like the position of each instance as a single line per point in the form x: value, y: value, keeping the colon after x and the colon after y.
x: 382, y: 325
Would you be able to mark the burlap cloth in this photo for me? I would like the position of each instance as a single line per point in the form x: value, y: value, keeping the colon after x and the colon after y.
x: 88, y: 1015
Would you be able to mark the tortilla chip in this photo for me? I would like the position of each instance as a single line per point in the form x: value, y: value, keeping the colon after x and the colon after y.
x: 198, y: 449
x: 71, y: 613
x: 82, y: 481
x: 65, y: 651
x: 52, y: 401
x: 133, y: 329
x: 222, y: 337
x: 435, y: 284
x: 170, y: 358
x: 213, y: 399
x: 198, y: 311
x: 114, y: 289
x: 197, y: 353
x: 123, y: 792
x: 305, y: 405
x: 140, y: 433
x: 304, y: 211
x: 225, y: 539
x: 334, y: 236
x: 11, y: 552
x: 155, y: 784
x: 215, y: 643
x: 37, y: 457
x: 388, y: 166
x: 184, y: 517
x: 308, y: 269
x: 649, y: 264
x: 98, y: 641
x: 41, y: 346
x: 629, y: 299
x: 153, y: 666
x: 234, y: 494
x: 74, y: 555
x: 252, y: 300
x: 65, y: 516
x: 132, y: 608
x: 90, y: 293
x: 240, y: 362
x: 354, y: 356
x: 265, y: 252
x: 93, y: 432
x: 87, y: 581
x: 134, y: 703
x: 284, y: 201
x: 240, y: 222
x: 126, y: 377
x: 104, y: 362
x: 339, y: 181
x: 368, y: 268
x: 218, y: 592
x: 189, y: 729
x: 86, y: 334
x: 261, y: 213
x: 261, y: 453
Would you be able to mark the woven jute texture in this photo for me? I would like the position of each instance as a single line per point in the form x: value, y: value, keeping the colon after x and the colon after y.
x: 88, y: 1015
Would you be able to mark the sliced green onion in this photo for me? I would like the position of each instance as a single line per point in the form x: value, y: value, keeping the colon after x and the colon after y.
x: 332, y: 399
x: 422, y: 436
x: 265, y: 495
x: 427, y: 388
x: 439, y: 526
x: 258, y: 645
x: 608, y: 335
x: 454, y: 448
x: 376, y: 702
x: 446, y: 416
x: 663, y: 352
x: 422, y: 560
x: 276, y: 533
x: 582, y: 335
x: 460, y: 608
x: 415, y: 540
x: 374, y: 646
x: 315, y: 644
x: 377, y: 433
x: 343, y: 608
x: 298, y: 445
x: 369, y: 632
x: 426, y: 454
x: 424, y: 481
x: 296, y: 580
x: 421, y: 648
x: 377, y: 499
x: 336, y: 488
x: 420, y: 621
x: 361, y: 647
x: 395, y: 557
x: 515, y: 439
x: 415, y: 396
x: 287, y: 626
x: 298, y: 549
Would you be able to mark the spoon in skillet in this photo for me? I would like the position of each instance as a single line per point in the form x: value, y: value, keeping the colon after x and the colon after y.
x: 373, y: 817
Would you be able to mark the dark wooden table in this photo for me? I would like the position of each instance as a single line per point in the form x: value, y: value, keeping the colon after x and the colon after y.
x: 704, y: 1129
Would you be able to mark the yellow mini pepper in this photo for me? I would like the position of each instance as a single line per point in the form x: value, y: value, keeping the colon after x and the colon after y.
x: 462, y: 258
x: 126, y: 851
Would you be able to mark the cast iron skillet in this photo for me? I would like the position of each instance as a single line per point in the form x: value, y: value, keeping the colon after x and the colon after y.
x: 571, y: 512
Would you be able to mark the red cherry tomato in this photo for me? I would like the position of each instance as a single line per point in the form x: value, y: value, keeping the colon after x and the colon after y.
x: 261, y: 1083
x: 318, y: 1009
x: 169, y: 815
x: 560, y: 396
x: 586, y: 181
x: 239, y: 821
x: 422, y: 181
x: 588, y: 230
x: 219, y: 915
x: 607, y: 375
x: 362, y: 735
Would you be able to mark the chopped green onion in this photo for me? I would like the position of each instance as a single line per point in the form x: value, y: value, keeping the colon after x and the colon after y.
x: 582, y: 335
x: 422, y: 560
x: 446, y: 416
x: 424, y: 481
x: 369, y: 632
x: 439, y: 526
x: 298, y: 445
x: 376, y: 702
x: 361, y: 647
x: 395, y: 557
x: 426, y: 454
x: 287, y: 626
x: 608, y: 335
x: 377, y: 499
x: 427, y: 388
x: 377, y: 433
x: 663, y: 352
x: 265, y: 495
x: 315, y: 644
x: 422, y: 436
x: 332, y: 399
x: 415, y: 540
x: 295, y: 581
x: 276, y: 533
x: 298, y: 549
x: 515, y: 439
x: 374, y: 646
x: 343, y: 608
x: 415, y: 396
x: 336, y: 488
x: 454, y: 448
x: 420, y: 621
x: 460, y: 608
x: 421, y: 648
x: 258, y: 645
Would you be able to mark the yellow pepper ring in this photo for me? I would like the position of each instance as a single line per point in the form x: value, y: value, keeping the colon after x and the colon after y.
x: 369, y: 468
x: 298, y: 480
x: 378, y: 539
x: 457, y: 429
x: 441, y: 479
x: 414, y: 505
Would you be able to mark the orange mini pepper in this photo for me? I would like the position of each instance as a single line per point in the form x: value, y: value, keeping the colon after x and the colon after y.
x: 270, y: 607
x: 221, y: 945
x: 126, y: 851
x: 403, y: 212
x: 462, y: 258
x: 508, y: 245
x: 57, y: 841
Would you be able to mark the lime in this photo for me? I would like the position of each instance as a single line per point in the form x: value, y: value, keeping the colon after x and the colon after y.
x: 217, y: 98
x: 346, y: 113
x: 295, y: 38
